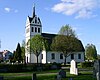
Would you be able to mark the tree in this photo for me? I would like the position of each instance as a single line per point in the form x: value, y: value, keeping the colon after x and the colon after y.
x: 36, y: 45
x: 67, y: 30
x: 23, y: 50
x: 17, y: 54
x: 98, y: 56
x: 66, y: 41
x: 66, y: 45
x: 90, y: 52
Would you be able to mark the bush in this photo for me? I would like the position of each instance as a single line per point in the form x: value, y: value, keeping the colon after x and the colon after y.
x: 31, y: 67
x: 86, y: 64
x: 15, y: 67
x: 46, y: 66
x: 28, y: 67
x: 51, y: 66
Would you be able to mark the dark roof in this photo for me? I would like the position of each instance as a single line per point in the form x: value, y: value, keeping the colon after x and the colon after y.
x: 82, y: 48
x: 49, y: 38
x: 30, y: 19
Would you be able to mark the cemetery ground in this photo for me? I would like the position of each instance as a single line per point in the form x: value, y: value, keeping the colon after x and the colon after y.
x: 84, y: 74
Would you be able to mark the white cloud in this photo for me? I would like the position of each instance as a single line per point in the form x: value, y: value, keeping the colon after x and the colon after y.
x: 7, y: 9
x: 80, y: 8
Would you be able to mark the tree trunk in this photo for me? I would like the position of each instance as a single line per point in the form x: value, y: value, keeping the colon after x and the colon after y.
x: 65, y: 61
x: 37, y: 59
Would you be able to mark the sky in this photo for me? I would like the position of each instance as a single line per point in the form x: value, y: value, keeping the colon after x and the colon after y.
x: 82, y: 15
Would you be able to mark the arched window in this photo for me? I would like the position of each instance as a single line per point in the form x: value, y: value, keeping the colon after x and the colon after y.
x: 35, y: 29
x: 52, y: 56
x: 32, y: 29
x: 61, y: 56
x: 38, y: 30
x: 72, y: 56
x: 79, y: 56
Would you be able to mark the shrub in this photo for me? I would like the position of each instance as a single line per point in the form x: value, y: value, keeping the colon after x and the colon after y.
x: 86, y: 64
x: 46, y: 66
x: 31, y: 67
x: 15, y: 67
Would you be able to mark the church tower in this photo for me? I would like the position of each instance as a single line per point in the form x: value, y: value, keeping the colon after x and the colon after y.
x: 33, y: 27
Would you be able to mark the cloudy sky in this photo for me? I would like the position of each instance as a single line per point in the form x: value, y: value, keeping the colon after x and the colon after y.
x: 82, y: 15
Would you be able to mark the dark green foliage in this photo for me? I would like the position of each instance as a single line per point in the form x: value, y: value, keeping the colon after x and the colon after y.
x: 23, y: 53
x: 66, y: 44
x: 17, y: 54
x: 46, y: 66
x: 98, y: 56
x: 90, y: 52
x: 86, y: 64
x: 26, y: 67
x: 30, y: 67
x: 36, y: 45
x: 50, y: 66
x: 12, y: 68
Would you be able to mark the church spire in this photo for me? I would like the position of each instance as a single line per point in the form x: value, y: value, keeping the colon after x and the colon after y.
x: 33, y: 11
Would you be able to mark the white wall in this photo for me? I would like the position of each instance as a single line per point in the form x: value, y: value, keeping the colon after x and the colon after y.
x: 44, y: 57
x: 68, y: 59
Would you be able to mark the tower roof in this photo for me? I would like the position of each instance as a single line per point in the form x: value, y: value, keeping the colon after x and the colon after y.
x: 33, y: 15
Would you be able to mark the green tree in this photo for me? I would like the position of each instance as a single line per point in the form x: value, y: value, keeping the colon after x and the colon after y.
x: 66, y: 45
x: 17, y: 54
x: 67, y: 30
x: 36, y: 45
x: 90, y: 52
x: 67, y: 41
x: 23, y: 50
x: 98, y: 56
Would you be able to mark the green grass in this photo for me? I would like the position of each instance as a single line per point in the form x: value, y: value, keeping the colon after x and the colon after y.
x: 47, y: 75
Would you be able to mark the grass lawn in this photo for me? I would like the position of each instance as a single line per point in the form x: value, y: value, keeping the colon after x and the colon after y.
x: 47, y: 75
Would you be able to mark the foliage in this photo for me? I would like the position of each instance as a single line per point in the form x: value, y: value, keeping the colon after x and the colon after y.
x: 23, y: 53
x: 98, y: 56
x: 23, y: 50
x: 23, y: 43
x: 90, y: 52
x: 86, y: 64
x: 67, y: 30
x: 17, y: 54
x: 36, y: 45
x: 66, y: 44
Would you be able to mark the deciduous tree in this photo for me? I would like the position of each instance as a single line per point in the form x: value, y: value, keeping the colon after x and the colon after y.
x: 36, y: 45
x: 67, y: 30
x: 90, y: 52
x: 67, y: 45
x: 67, y: 41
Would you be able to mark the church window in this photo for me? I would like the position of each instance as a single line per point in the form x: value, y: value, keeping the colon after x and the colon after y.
x: 79, y: 56
x: 35, y: 29
x: 32, y: 29
x: 61, y: 56
x: 38, y: 30
x: 42, y: 56
x: 52, y: 56
x: 72, y: 56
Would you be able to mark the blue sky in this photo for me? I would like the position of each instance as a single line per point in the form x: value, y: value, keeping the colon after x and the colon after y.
x: 82, y: 15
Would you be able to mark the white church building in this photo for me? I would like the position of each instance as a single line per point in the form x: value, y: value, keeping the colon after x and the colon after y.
x: 33, y: 27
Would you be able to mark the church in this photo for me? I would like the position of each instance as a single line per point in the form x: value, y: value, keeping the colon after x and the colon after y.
x: 34, y: 27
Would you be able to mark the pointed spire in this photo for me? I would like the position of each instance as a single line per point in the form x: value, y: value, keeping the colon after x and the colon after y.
x: 33, y: 10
